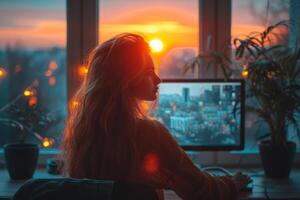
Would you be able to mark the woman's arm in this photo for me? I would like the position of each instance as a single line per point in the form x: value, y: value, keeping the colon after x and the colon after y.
x: 185, y: 178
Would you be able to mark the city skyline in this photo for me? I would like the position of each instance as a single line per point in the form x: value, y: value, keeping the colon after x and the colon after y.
x: 195, y: 89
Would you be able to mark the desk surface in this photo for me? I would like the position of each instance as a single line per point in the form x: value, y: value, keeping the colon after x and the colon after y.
x: 275, y: 189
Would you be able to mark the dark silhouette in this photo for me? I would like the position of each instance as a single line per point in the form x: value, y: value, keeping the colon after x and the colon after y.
x: 109, y: 136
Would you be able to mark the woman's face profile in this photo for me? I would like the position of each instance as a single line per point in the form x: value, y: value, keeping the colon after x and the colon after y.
x: 146, y: 87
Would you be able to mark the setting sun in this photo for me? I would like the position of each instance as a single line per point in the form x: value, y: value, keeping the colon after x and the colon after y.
x: 156, y: 45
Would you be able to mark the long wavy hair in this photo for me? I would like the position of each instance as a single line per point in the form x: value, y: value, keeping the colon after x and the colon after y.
x: 99, y: 139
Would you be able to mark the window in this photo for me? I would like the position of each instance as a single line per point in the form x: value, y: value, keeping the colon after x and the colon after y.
x: 173, y: 23
x: 33, y: 45
x: 250, y: 16
x: 33, y: 68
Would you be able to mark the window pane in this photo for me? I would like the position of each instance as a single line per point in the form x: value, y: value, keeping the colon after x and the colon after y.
x: 250, y: 16
x: 33, y: 68
x: 173, y: 22
x: 255, y: 15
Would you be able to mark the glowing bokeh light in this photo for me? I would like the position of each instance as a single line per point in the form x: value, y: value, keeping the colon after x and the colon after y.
x: 52, y: 65
x: 2, y: 72
x: 245, y: 73
x: 74, y: 104
x: 27, y: 93
x: 156, y: 45
x: 83, y: 70
x: 145, y: 106
x: 32, y: 101
x: 47, y: 142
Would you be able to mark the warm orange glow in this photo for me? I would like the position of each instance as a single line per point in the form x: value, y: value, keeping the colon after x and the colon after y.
x: 74, y: 104
x: 27, y: 93
x: 32, y: 101
x: 83, y: 70
x: 47, y: 142
x: 2, y: 72
x: 156, y: 45
x: 52, y: 81
x: 245, y: 73
x: 242, y: 30
x: 270, y: 74
x: 44, y: 33
x: 145, y: 106
x: 151, y: 163
x: 52, y: 65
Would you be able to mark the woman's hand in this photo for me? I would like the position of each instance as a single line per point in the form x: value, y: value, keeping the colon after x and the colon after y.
x: 241, y: 180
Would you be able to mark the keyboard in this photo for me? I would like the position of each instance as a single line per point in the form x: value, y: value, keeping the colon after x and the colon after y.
x: 220, y: 171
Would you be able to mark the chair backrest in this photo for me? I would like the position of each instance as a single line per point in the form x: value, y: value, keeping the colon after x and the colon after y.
x: 83, y: 189
x: 133, y: 191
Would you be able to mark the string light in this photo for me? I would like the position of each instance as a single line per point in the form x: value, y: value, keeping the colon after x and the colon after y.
x: 2, y: 72
x: 52, y: 65
x: 47, y: 142
x: 27, y: 93
x: 245, y: 71
x: 32, y: 101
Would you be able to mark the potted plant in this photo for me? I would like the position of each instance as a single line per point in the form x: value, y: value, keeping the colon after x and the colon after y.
x: 24, y: 120
x: 273, y: 83
x: 272, y: 76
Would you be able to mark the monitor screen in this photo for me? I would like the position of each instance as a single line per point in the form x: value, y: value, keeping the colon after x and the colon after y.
x: 203, y: 114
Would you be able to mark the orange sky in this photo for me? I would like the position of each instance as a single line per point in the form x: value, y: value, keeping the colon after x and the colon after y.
x: 174, y: 25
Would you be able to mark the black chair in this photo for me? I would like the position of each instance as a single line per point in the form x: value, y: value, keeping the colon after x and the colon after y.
x: 83, y: 189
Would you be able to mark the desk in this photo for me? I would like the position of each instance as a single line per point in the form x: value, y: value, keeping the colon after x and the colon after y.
x: 276, y: 189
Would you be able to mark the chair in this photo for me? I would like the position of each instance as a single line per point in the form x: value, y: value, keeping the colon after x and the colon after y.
x: 83, y: 189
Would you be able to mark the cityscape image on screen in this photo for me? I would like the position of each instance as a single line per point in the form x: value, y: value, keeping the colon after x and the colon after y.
x: 201, y: 113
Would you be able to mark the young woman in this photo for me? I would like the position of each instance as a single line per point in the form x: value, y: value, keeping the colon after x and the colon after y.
x: 108, y: 136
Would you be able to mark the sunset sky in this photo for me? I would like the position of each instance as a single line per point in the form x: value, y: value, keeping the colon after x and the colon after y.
x: 35, y: 23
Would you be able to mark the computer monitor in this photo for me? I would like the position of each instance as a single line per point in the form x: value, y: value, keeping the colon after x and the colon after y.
x: 203, y: 114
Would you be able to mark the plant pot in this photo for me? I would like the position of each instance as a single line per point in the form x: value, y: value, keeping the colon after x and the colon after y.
x: 277, y: 160
x: 21, y: 160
